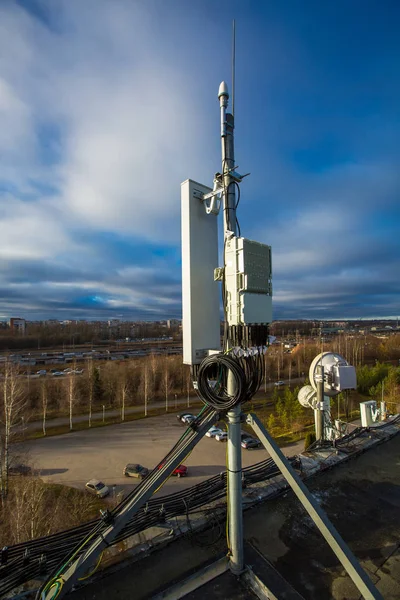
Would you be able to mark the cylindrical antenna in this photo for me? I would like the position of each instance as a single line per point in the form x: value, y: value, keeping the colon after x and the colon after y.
x: 233, y: 64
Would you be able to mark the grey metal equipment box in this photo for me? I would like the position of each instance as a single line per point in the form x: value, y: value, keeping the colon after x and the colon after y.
x: 248, y: 275
x: 200, y: 293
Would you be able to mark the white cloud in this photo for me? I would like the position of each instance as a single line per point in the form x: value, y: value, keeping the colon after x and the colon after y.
x: 108, y: 88
x: 31, y: 231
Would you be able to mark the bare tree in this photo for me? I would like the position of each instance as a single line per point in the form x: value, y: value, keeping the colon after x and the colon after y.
x: 146, y: 384
x: 29, y: 519
x: 145, y: 387
x: 155, y: 370
x: 13, y: 401
x: 265, y: 372
x: 189, y: 384
x: 123, y: 391
x: 90, y: 387
x: 110, y: 383
x: 166, y: 382
x: 71, y: 395
x: 44, y: 399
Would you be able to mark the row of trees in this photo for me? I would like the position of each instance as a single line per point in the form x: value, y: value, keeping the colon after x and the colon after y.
x: 53, y: 334
x: 113, y: 384
x: 282, y: 363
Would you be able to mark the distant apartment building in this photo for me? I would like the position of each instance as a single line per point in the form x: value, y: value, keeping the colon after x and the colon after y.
x: 114, y: 323
x: 17, y: 324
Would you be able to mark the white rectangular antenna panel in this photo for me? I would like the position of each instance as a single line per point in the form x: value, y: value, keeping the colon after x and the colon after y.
x: 200, y: 293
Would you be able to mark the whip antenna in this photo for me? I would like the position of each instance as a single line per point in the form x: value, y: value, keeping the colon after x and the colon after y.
x: 233, y: 64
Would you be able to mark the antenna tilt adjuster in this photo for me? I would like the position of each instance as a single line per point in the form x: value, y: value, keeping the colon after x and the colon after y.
x: 215, y: 197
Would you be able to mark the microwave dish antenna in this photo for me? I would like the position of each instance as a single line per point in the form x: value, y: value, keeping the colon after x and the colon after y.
x: 307, y: 397
x: 338, y: 374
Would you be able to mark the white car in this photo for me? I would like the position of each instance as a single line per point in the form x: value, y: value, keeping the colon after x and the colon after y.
x: 213, y: 431
x: 98, y: 488
x: 279, y: 383
x: 222, y: 437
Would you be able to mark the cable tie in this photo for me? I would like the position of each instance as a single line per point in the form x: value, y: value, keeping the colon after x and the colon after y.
x: 104, y: 540
x: 25, y: 560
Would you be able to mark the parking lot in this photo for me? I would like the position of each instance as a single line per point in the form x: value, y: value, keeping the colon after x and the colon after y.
x: 102, y: 453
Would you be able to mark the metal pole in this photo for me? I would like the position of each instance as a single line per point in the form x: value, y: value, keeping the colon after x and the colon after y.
x: 318, y: 412
x: 338, y: 545
x: 235, y: 510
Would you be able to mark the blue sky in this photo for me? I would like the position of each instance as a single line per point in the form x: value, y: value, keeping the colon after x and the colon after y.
x: 105, y: 107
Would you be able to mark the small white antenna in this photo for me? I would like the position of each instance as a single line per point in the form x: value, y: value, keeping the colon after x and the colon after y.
x: 233, y: 64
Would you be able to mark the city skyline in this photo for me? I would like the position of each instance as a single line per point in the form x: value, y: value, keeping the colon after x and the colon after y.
x: 106, y: 107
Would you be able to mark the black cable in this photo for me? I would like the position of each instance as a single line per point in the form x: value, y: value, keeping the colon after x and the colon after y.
x: 56, y: 550
x: 194, y: 536
x: 247, y: 373
x: 215, y: 369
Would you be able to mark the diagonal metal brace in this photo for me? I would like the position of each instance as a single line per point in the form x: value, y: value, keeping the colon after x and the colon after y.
x: 317, y: 514
x: 77, y: 566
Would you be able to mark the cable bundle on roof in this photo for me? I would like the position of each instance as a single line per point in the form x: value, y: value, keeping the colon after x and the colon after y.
x: 44, y: 554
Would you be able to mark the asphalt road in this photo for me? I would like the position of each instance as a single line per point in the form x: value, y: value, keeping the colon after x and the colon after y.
x: 180, y: 403
x: 102, y: 453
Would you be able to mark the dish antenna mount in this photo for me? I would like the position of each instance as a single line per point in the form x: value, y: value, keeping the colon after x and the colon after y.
x: 329, y: 375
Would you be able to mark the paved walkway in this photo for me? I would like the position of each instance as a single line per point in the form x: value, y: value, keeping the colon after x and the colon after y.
x: 98, y: 416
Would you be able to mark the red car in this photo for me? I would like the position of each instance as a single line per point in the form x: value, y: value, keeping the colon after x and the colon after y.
x: 180, y: 471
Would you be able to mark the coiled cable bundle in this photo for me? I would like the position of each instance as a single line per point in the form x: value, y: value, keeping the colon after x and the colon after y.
x: 212, y: 380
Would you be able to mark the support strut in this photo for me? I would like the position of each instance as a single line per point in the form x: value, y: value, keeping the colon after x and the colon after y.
x: 320, y: 518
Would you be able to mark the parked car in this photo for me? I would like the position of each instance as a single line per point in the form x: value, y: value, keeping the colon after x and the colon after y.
x: 279, y: 383
x: 57, y: 373
x: 187, y: 419
x: 222, y: 437
x: 250, y: 442
x: 180, y: 416
x: 41, y: 372
x: 135, y: 470
x: 23, y: 470
x: 180, y: 471
x: 213, y: 431
x: 98, y: 488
